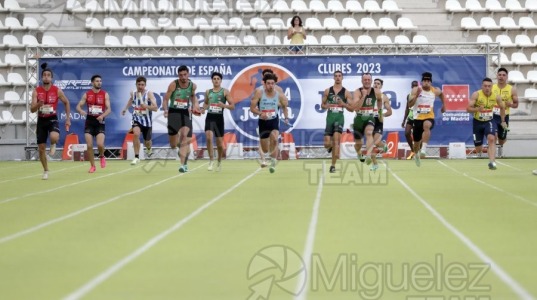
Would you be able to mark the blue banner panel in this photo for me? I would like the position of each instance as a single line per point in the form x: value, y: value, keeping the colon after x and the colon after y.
x: 303, y: 80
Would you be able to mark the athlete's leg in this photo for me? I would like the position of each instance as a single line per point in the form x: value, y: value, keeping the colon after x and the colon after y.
x: 136, y: 140
x: 210, y: 148
x: 89, y: 143
x: 184, y: 144
x: 335, y: 147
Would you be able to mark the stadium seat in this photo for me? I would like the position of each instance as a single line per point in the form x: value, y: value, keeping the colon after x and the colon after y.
x: 313, y: 24
x: 353, y: 6
x: 311, y: 40
x: 13, y: 24
x: 250, y: 40
x: 129, y: 23
x: 507, y: 23
x: 147, y: 40
x: 11, y: 41
x: 420, y: 39
x: 494, y: 6
x: 522, y: 40
x: 129, y: 40
x: 219, y: 6
x: 165, y: 6
x: 272, y: 40
x: 93, y: 6
x: 164, y: 24
x: 401, y: 39
x: 281, y: 6
x: 219, y: 23
x: 183, y: 24
x: 530, y: 94
x: 516, y: 76
x: 519, y: 58
x: 531, y: 5
x: 147, y: 6
x: 364, y: 40
x: 527, y: 23
x: 49, y: 40
x: 330, y: 23
x: 474, y: 6
x: 201, y: 23
x: 29, y: 40
x: 346, y: 39
x: 469, y: 23
x: 367, y: 23
x: 383, y: 39
x: 244, y: 6
x: 262, y: 6
x: 503, y: 59
x: 148, y: 24
x: 184, y: 6
x: 111, y: 40
x: 484, y: 39
x: 533, y: 57
x: 31, y: 23
x: 454, y: 6
x: 488, y: 23
x: 514, y: 6
x: 317, y: 6
x: 93, y: 24
x: 335, y: 6
x: 233, y: 40
x: 372, y: 6
x: 257, y: 23
x: 74, y: 6
x: 531, y: 76
x: 386, y: 23
x: 328, y: 40
x: 198, y: 40
x: 350, y: 24
x: 111, y: 6
x: 111, y: 23
x: 299, y: 6
x: 390, y: 6
x: 237, y: 24
x: 505, y: 40
x: 15, y: 79
x: 201, y: 6
x: 13, y: 6
x: 181, y: 40
x: 130, y: 6
x: 216, y: 40
x: 164, y: 40
x: 405, y: 24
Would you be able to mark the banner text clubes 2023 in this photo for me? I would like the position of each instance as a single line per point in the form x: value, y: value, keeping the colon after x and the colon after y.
x: 303, y: 80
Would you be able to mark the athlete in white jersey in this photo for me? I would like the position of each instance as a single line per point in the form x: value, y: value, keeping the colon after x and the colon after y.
x: 143, y: 103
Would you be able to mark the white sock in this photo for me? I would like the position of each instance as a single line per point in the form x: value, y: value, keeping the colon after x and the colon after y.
x: 423, y: 147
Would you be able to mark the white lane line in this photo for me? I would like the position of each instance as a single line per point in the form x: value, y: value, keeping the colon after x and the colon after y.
x: 503, y: 275
x: 92, y: 284
x: 40, y: 174
x: 490, y: 185
x: 63, y: 186
x: 83, y: 210
x: 302, y: 284
x: 509, y: 166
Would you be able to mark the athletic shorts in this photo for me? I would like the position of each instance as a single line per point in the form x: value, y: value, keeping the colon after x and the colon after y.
x: 177, y: 119
x: 267, y: 126
x: 502, y: 133
x: 360, y: 123
x: 215, y: 123
x: 379, y: 126
x: 334, y: 125
x: 146, y: 131
x: 482, y: 129
x: 46, y: 125
x: 93, y: 126
x: 417, y: 132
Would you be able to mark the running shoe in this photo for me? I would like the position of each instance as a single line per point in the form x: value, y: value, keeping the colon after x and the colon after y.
x: 332, y: 169
x: 103, y: 161
x: 148, y: 152
x: 45, y: 175
x: 92, y: 169
x: 329, y: 150
x: 210, y: 167
x: 135, y: 161
x: 492, y: 166
x: 52, y: 150
x: 272, y: 168
x: 218, y: 166
x: 182, y: 169
x: 374, y: 167
x: 368, y: 160
x: 411, y: 156
x: 418, y: 160
x: 361, y: 157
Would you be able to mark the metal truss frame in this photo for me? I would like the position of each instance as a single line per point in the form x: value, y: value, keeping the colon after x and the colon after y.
x: 491, y: 51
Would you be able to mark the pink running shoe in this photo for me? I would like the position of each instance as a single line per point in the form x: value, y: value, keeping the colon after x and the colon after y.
x: 103, y: 161
x: 92, y: 169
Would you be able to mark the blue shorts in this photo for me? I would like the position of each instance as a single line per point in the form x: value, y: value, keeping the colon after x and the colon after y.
x: 482, y: 129
x: 296, y: 48
x: 502, y: 133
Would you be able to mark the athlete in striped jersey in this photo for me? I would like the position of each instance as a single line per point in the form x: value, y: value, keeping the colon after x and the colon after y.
x: 143, y: 103
x: 422, y: 103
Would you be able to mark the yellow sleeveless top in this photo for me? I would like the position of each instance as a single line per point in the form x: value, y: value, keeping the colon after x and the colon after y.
x: 423, y: 109
x: 488, y: 102
x: 297, y: 38
x: 505, y: 94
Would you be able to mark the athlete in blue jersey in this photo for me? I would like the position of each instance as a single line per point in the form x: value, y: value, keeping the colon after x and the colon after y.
x: 143, y: 103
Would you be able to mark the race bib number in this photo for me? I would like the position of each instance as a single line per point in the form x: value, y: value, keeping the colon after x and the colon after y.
x: 336, y: 108
x: 424, y: 109
x: 95, y: 110
x: 366, y: 111
x: 271, y: 114
x: 215, y: 109
x: 46, y: 109
x: 496, y: 110
x: 181, y: 103
x: 485, y: 115
x: 140, y: 112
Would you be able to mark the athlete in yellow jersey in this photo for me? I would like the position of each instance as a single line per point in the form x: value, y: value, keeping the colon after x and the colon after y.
x: 422, y: 103
x: 482, y: 104
x: 509, y: 96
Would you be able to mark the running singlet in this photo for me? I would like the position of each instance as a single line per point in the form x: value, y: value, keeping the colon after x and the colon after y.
x: 269, y: 106
x: 423, y: 109
x: 50, y: 98
x: 369, y: 107
x: 95, y: 102
x: 214, y: 99
x: 333, y: 107
x: 140, y: 115
x: 410, y: 115
x: 488, y: 102
x: 505, y: 94
x: 180, y: 98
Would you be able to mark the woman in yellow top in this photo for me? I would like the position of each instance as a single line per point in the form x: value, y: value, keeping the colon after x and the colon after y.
x: 296, y: 35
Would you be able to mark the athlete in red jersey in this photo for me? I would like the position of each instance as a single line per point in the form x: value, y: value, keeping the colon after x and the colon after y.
x: 45, y: 103
x: 98, y: 107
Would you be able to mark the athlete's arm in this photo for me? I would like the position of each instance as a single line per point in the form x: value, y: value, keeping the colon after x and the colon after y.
x: 359, y: 97
x: 388, y: 106
x: 254, y: 102
x: 230, y: 104
x: 283, y: 104
x: 129, y: 103
x: 324, y: 101
x: 414, y: 96
x: 165, y: 101
x: 499, y: 102
x: 108, y: 108
x: 195, y: 103
x: 152, y: 101
x: 471, y: 104
x: 65, y: 101
x: 514, y: 97
x: 348, y: 98
x: 35, y: 104
x: 406, y: 111
x: 440, y: 95
x: 79, y: 105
